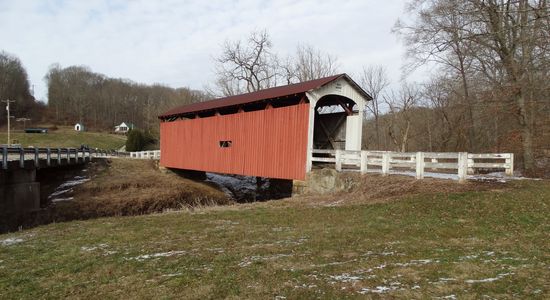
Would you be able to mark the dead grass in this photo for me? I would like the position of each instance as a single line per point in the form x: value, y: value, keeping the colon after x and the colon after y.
x: 121, y: 187
x: 379, y: 189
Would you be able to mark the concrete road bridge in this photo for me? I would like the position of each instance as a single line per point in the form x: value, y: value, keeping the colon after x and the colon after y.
x: 19, y: 188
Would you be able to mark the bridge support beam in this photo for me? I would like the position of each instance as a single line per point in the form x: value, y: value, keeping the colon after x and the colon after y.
x: 19, y: 191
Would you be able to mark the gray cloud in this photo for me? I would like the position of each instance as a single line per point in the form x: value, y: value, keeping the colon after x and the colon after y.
x: 173, y: 42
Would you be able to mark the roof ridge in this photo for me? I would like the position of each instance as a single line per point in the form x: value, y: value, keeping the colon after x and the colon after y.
x: 240, y: 99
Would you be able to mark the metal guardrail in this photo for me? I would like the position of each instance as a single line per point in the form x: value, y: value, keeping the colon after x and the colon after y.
x: 50, y: 155
x: 465, y: 163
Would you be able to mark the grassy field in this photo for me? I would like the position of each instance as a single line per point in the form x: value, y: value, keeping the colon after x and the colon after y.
x: 467, y: 244
x: 67, y: 137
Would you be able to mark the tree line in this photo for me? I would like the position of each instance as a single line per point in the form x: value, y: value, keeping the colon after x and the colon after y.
x: 491, y: 90
x: 14, y: 86
x: 488, y: 90
x: 76, y: 94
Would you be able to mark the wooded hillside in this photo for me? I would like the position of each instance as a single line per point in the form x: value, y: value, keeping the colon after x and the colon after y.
x: 14, y: 86
x: 76, y: 94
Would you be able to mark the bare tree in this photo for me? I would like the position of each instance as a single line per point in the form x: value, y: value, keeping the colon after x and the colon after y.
x: 374, y: 80
x: 401, y: 105
x: 311, y: 63
x: 495, y: 47
x: 246, y: 67
x: 438, y: 36
x: 14, y: 85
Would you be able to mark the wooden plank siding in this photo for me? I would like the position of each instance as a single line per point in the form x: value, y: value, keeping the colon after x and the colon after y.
x: 268, y: 143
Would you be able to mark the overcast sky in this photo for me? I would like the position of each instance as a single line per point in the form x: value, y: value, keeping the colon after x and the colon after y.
x: 172, y: 42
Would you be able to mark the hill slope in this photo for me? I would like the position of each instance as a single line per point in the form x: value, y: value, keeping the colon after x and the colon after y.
x: 473, y: 244
x: 67, y: 137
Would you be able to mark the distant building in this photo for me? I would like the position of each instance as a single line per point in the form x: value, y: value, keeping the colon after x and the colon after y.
x: 79, y: 127
x: 124, y: 127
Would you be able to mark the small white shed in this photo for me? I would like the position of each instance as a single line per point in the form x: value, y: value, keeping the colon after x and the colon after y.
x: 79, y: 127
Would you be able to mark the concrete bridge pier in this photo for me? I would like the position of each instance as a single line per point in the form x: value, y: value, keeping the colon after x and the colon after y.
x: 19, y: 191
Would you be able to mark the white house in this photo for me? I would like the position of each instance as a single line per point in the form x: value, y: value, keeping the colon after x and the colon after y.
x: 124, y: 127
x: 79, y: 127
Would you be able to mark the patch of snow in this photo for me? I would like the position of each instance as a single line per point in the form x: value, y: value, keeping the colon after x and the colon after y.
x: 384, y: 253
x: 499, y: 276
x: 415, y: 287
x: 305, y: 286
x: 514, y: 258
x: 381, y: 289
x: 101, y: 247
x: 93, y: 248
x: 345, y: 277
x: 336, y: 263
x: 67, y: 187
x: 427, y: 174
x: 78, y: 180
x: 11, y: 241
x: 156, y: 255
x: 62, y: 199
x: 416, y: 262
x: 59, y: 192
x: 280, y: 297
x: 451, y: 297
x: 468, y: 257
x: 218, y: 250
x: 493, y: 177
x: 380, y: 267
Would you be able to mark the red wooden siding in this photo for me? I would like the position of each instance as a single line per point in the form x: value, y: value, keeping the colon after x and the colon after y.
x: 268, y: 143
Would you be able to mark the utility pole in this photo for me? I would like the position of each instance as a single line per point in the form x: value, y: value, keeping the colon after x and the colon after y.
x: 8, y: 111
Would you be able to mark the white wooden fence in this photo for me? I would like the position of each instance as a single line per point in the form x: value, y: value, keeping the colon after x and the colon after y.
x: 154, y: 154
x: 460, y: 163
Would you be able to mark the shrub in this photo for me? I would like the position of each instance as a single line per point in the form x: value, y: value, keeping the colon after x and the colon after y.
x: 138, y: 140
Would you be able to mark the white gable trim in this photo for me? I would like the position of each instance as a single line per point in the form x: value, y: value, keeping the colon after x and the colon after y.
x: 339, y: 87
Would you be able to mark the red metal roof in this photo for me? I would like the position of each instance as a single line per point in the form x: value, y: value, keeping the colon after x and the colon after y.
x: 270, y: 93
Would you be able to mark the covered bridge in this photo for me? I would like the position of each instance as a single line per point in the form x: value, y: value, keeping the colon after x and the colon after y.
x: 269, y: 133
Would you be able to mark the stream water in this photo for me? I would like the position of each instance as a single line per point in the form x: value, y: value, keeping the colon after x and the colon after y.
x: 250, y: 189
x: 58, y: 186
